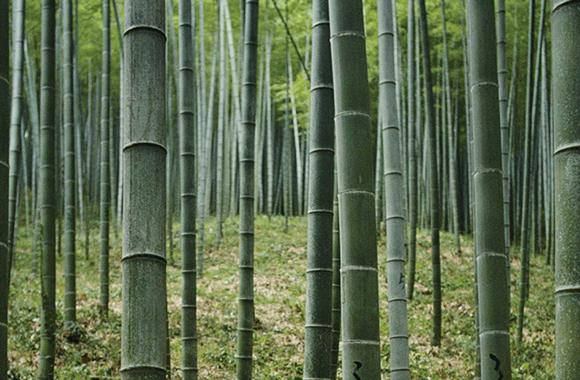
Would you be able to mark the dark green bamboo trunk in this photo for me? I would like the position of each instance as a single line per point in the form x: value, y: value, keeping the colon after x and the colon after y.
x: 47, y: 192
x: 318, y: 329
x: 4, y: 148
x: 566, y: 87
x: 493, y: 297
x: 105, y: 193
x: 434, y: 177
x: 394, y: 195
x: 246, y: 152
x: 188, y: 191
x: 144, y: 323
x: 18, y: 9
x: 354, y: 149
x: 69, y: 170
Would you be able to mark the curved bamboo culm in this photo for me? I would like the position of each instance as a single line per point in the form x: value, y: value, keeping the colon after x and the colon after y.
x: 394, y: 200
x: 69, y: 172
x: 318, y: 328
x: 144, y: 323
x: 105, y: 193
x: 566, y: 87
x: 335, y: 286
x: 434, y: 177
x: 494, y: 309
x: 503, y: 121
x: 356, y: 199
x: 246, y: 151
x: 47, y: 191
x: 413, y: 187
x: 4, y: 148
x: 188, y: 192
x: 18, y: 9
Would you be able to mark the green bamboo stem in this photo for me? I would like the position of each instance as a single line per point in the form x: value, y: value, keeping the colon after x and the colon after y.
x: 270, y: 129
x: 219, y: 196
x: 80, y: 166
x: 530, y: 168
x: 318, y: 328
x: 433, y: 175
x: 297, y: 149
x: 204, y: 168
x: 412, y: 149
x: 69, y: 171
x: 105, y: 185
x: 4, y: 149
x: 246, y: 152
x: 503, y: 108
x: 119, y: 199
x: 494, y: 310
x: 359, y: 277
x: 451, y: 137
x: 188, y: 192
x: 524, y: 226
x: 336, y: 310
x: 47, y: 192
x: 394, y: 196
x: 18, y: 19
x: 144, y: 322
x: 286, y: 153
x: 565, y: 71
x: 379, y: 171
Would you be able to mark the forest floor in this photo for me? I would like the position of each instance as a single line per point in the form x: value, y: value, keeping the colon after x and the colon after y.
x: 280, y: 297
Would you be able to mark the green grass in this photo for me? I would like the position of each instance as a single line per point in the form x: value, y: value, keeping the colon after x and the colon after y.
x: 280, y: 293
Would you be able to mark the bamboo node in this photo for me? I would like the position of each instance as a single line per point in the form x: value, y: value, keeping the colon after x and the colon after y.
x: 146, y: 27
x: 357, y: 268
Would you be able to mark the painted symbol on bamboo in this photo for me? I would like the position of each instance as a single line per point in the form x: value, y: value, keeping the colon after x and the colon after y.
x: 497, y: 365
x: 357, y: 366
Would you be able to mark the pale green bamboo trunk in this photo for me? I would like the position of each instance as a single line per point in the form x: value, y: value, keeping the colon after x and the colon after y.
x: 4, y: 148
x: 105, y: 186
x: 47, y: 192
x: 188, y: 191
x: 412, y: 128
x: 144, y: 323
x: 335, y: 286
x: 394, y: 196
x: 221, y: 126
x: 566, y: 87
x: 318, y: 329
x: 18, y: 12
x: 503, y: 108
x: 528, y: 226
x: 354, y: 149
x: 246, y: 152
x: 493, y: 296
x: 69, y: 171
x: 448, y: 128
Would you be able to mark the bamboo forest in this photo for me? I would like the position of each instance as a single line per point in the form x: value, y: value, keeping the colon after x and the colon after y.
x: 290, y: 189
